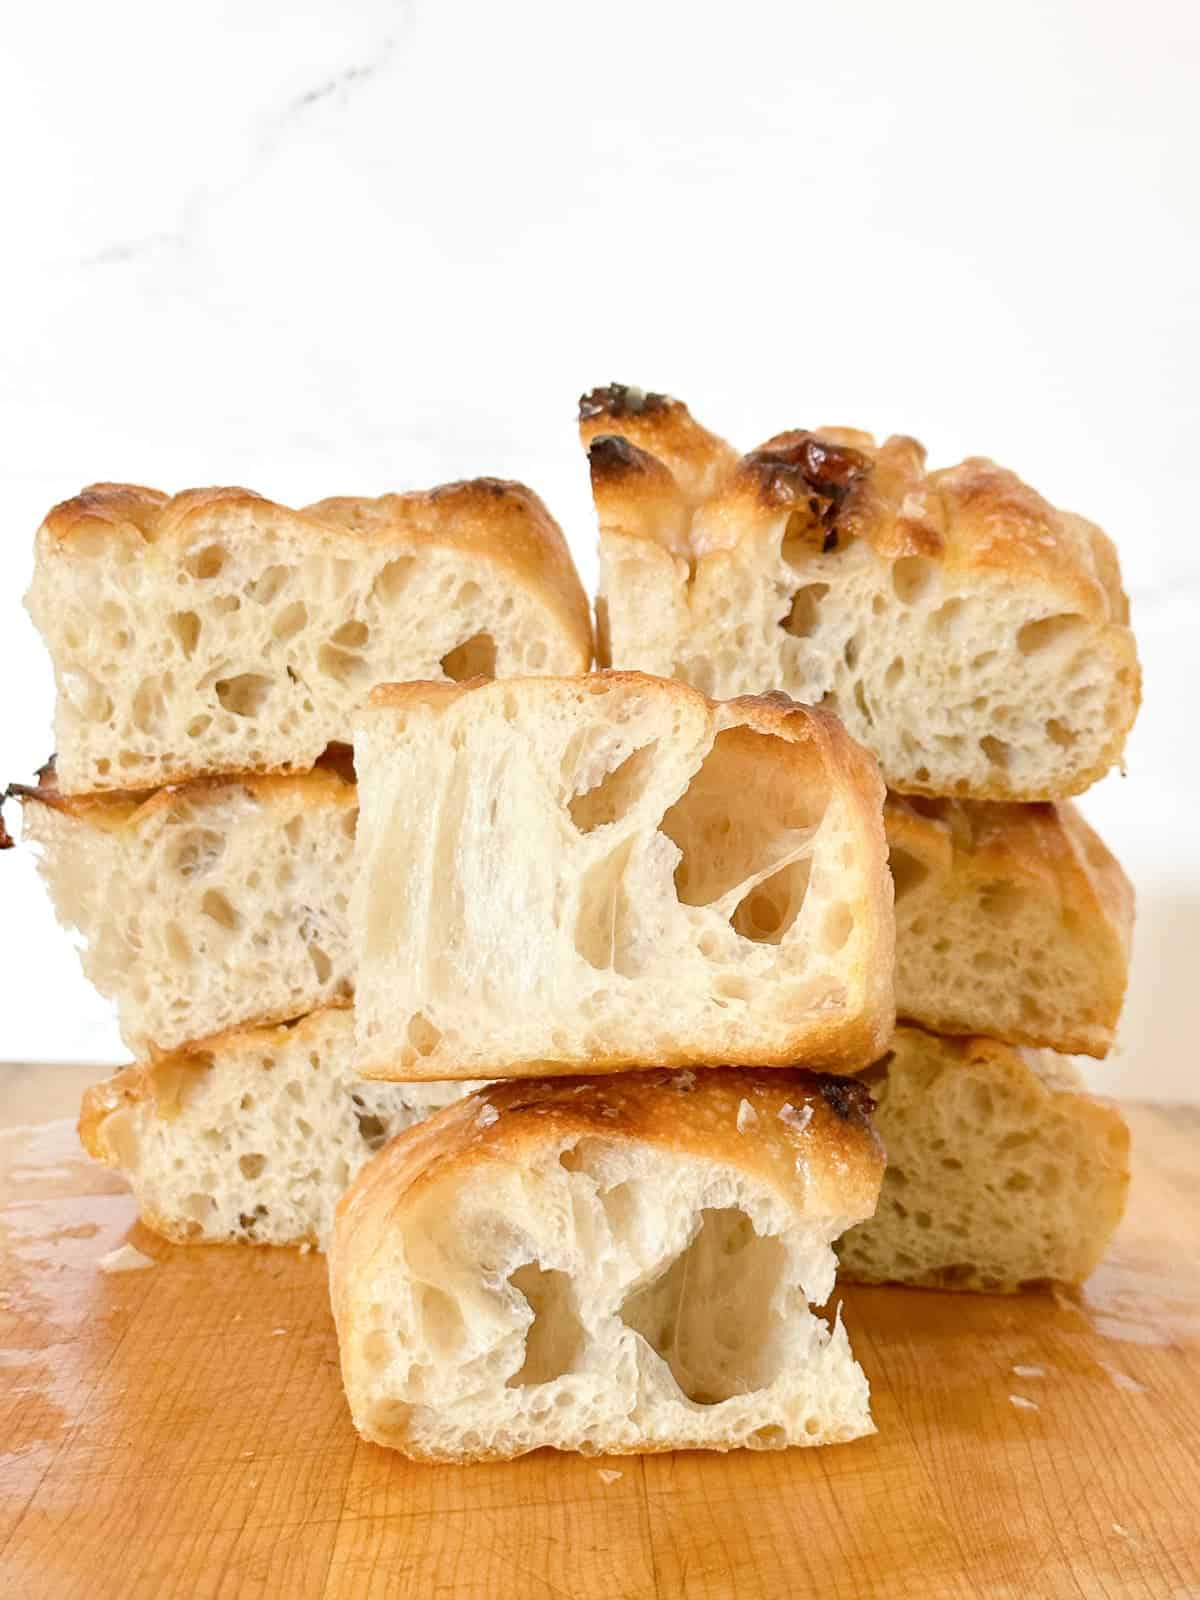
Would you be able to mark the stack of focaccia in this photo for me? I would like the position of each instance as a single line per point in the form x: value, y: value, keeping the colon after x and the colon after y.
x: 352, y: 832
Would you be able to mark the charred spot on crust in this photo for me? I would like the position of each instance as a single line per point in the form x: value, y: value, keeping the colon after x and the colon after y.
x: 847, y: 1098
x: 611, y: 456
x: 620, y: 400
x: 800, y: 466
x: 6, y: 842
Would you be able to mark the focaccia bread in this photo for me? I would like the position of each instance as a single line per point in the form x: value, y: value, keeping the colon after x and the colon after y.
x: 1003, y: 1173
x: 1011, y: 921
x: 253, y: 1138
x: 969, y: 633
x: 558, y: 874
x: 215, y: 905
x: 217, y: 632
x: 609, y: 1265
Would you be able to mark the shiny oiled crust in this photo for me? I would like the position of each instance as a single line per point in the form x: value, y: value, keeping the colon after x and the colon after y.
x: 500, y: 520
x: 1046, y: 846
x: 691, y: 1113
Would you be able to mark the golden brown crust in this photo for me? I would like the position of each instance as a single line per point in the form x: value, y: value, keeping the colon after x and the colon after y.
x: 973, y: 516
x: 492, y: 518
x: 1049, y: 850
x: 691, y: 1113
x: 330, y: 782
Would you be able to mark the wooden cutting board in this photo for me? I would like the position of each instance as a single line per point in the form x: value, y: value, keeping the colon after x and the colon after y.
x: 180, y: 1431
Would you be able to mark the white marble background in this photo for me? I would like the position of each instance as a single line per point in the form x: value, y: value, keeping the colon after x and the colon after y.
x: 325, y: 248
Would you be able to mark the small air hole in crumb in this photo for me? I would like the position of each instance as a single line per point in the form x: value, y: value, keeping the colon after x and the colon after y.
x: 243, y: 695
x: 911, y: 578
x: 215, y: 905
x: 474, y: 658
x: 205, y: 563
x: 422, y: 1034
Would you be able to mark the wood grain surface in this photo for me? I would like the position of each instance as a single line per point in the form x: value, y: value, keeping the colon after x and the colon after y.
x: 180, y: 1431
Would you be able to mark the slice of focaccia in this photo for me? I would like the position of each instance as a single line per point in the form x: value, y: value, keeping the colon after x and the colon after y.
x: 217, y: 632
x: 611, y: 1265
x: 613, y: 871
x: 253, y: 1138
x: 1003, y: 1173
x: 1011, y: 920
x: 969, y: 633
x: 216, y: 904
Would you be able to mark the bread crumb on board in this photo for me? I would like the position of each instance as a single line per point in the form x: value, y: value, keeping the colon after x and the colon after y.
x: 608, y: 1475
x: 125, y: 1258
x: 1029, y: 1372
x: 1022, y: 1404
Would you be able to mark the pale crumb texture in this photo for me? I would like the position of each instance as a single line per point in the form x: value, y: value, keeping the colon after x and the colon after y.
x: 254, y: 1138
x: 999, y: 1177
x: 657, y: 878
x: 243, y: 636
x: 125, y: 1258
x: 214, y: 907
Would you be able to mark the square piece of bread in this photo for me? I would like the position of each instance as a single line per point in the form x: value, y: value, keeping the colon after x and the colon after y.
x: 1003, y: 1173
x: 216, y: 632
x: 1011, y: 920
x: 559, y: 874
x: 216, y: 904
x: 252, y: 1139
x: 969, y: 633
x: 608, y: 1265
